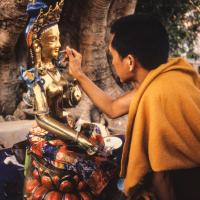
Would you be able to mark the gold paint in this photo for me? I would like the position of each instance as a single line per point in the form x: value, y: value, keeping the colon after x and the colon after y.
x: 49, y: 104
x: 50, y: 44
x: 44, y: 20
x: 48, y: 123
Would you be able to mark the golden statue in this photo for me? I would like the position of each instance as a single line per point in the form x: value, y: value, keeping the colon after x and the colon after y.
x: 60, y: 162
x: 55, y: 92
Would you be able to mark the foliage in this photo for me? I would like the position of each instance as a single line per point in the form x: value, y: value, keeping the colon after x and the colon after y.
x: 181, y: 19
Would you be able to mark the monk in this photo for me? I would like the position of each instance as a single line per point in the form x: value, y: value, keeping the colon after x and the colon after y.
x: 161, y: 155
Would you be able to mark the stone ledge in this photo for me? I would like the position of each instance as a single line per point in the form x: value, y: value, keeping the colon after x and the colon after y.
x: 14, y: 131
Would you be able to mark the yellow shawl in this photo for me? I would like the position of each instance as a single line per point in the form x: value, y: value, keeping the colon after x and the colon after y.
x: 163, y: 129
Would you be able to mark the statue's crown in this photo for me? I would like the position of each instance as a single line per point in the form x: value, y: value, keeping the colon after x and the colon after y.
x: 44, y: 20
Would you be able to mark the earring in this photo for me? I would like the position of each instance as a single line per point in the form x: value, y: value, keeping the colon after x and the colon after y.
x: 131, y: 68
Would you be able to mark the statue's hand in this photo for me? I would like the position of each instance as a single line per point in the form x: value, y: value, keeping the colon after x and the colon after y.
x: 75, y: 60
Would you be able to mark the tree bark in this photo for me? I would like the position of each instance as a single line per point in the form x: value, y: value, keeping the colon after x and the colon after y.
x: 94, y: 40
x: 12, y: 20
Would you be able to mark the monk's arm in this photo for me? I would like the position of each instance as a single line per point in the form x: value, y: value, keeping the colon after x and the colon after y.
x: 111, y: 107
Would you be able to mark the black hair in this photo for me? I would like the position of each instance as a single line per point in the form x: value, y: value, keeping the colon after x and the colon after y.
x: 142, y: 36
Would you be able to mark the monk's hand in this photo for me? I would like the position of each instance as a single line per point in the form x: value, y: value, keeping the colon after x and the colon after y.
x: 75, y: 59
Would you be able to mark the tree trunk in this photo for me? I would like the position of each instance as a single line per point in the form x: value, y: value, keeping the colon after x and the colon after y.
x: 12, y: 20
x: 94, y: 39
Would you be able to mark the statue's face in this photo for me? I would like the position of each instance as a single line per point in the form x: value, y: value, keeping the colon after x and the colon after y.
x: 50, y: 43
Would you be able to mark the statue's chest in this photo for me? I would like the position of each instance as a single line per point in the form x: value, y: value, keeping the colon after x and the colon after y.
x: 52, y: 84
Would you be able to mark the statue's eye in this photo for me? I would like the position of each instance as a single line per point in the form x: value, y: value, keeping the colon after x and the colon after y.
x: 52, y: 38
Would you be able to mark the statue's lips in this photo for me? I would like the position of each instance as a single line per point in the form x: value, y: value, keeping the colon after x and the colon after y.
x: 56, y: 52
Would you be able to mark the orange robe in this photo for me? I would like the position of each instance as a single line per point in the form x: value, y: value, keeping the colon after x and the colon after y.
x: 163, y: 131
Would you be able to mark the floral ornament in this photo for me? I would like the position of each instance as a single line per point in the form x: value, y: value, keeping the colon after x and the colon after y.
x: 30, y: 77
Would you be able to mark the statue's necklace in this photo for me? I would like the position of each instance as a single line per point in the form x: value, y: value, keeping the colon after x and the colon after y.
x: 49, y: 69
x: 54, y: 75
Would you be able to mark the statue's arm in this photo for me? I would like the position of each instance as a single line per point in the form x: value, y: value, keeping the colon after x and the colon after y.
x: 46, y: 122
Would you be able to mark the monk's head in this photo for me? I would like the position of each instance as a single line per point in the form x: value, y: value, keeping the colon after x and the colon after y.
x: 138, y: 40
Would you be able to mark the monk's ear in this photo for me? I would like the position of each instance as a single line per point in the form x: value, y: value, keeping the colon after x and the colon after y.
x: 130, y: 62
